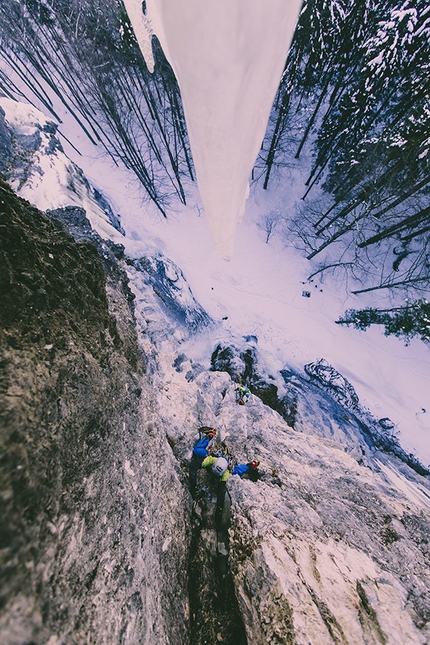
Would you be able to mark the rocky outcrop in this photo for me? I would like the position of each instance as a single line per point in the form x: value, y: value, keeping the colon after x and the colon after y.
x: 242, y: 365
x: 173, y: 291
x: 324, y: 405
x: 333, y: 382
x: 95, y: 522
x: 331, y: 556
x: 323, y: 549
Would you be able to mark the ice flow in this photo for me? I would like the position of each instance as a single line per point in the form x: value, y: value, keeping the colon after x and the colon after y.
x: 228, y: 58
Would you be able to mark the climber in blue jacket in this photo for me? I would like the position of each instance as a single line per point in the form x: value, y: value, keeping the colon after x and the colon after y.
x: 219, y: 467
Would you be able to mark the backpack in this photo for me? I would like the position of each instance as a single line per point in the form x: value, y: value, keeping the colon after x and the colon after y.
x: 221, y: 449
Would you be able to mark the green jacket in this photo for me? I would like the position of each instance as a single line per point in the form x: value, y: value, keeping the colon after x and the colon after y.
x: 209, y: 461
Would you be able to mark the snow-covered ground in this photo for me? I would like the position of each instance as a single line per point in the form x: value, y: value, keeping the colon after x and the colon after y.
x: 259, y: 292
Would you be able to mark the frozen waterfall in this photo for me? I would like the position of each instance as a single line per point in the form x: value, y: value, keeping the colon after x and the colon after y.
x: 228, y: 58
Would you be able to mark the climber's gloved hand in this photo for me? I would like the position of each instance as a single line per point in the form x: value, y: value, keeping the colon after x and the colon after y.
x: 209, y: 432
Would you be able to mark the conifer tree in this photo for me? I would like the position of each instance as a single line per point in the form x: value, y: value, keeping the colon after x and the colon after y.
x: 403, y: 322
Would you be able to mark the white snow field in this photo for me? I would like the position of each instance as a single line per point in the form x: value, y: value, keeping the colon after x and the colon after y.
x: 228, y: 59
x: 259, y: 292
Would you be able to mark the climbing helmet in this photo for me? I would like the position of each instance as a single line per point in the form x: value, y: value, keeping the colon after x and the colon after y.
x: 219, y: 466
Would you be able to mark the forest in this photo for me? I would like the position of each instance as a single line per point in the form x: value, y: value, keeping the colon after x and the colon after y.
x: 353, y: 105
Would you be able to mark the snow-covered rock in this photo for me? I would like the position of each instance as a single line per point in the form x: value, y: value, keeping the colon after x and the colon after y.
x: 323, y: 549
x: 171, y: 287
x: 37, y: 168
x: 329, y: 378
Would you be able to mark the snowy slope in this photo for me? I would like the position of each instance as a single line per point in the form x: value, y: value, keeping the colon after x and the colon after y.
x: 258, y: 293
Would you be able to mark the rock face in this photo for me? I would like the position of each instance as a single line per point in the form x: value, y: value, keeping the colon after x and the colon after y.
x: 322, y: 548
x: 334, y: 561
x: 94, y: 539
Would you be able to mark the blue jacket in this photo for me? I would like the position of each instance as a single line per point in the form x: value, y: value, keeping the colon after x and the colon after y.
x: 240, y: 469
x: 200, y: 448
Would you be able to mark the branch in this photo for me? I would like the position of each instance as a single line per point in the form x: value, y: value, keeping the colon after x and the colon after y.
x: 392, y: 285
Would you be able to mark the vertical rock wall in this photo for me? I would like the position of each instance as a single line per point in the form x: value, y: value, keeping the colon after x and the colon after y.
x: 94, y: 517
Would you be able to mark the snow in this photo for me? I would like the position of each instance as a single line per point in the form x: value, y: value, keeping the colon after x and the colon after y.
x: 259, y: 292
x: 166, y: 544
x: 142, y: 29
x: 417, y: 494
x: 228, y: 59
x: 22, y: 118
x: 128, y: 469
x: 52, y: 181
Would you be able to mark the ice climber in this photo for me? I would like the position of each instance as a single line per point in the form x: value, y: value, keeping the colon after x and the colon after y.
x: 219, y: 467
x: 243, y: 394
x: 199, y: 453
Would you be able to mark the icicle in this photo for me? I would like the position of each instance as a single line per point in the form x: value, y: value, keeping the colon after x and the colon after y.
x: 228, y: 57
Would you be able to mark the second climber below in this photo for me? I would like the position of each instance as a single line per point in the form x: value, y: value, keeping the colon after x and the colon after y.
x: 243, y: 394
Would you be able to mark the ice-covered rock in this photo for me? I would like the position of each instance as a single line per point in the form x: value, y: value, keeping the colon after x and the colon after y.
x: 328, y: 377
x: 386, y: 423
x: 37, y: 168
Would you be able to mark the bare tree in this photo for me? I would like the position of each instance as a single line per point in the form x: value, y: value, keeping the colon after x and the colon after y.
x: 269, y: 222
